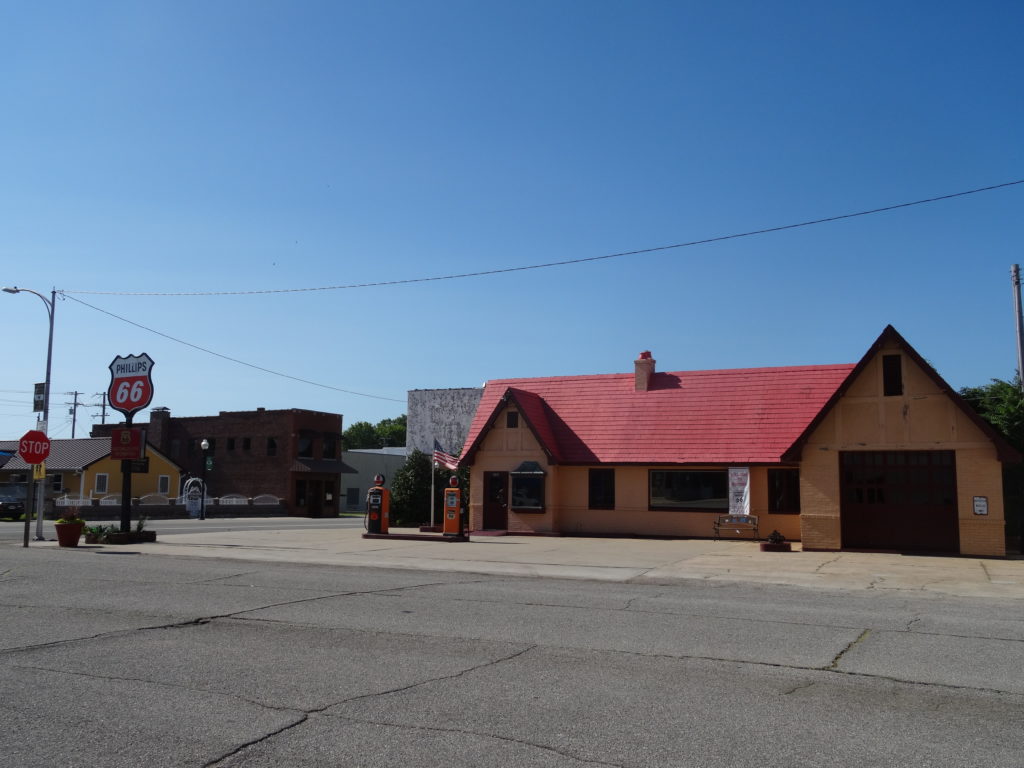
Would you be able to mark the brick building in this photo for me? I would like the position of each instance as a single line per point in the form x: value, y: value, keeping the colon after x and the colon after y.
x: 293, y: 454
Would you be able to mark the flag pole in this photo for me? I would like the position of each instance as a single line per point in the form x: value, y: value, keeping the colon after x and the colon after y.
x: 433, y: 472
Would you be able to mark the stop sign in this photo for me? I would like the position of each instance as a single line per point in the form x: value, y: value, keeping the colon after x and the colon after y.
x: 34, y: 447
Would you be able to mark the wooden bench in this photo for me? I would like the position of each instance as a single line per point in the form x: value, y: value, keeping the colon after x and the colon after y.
x: 735, y: 524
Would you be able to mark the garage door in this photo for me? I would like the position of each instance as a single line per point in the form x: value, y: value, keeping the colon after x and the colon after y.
x: 904, y: 500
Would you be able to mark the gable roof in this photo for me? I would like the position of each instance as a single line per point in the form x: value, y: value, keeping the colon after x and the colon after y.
x: 1006, y: 452
x: 71, y: 455
x: 65, y: 455
x: 740, y: 416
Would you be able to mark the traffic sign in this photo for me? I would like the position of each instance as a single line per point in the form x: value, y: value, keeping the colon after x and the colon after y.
x: 131, y: 385
x: 34, y: 447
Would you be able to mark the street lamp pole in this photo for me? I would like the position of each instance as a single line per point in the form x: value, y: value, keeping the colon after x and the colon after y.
x: 51, y: 305
x: 205, y: 445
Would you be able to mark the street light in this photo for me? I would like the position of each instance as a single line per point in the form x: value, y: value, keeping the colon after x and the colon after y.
x: 205, y: 445
x: 50, y: 306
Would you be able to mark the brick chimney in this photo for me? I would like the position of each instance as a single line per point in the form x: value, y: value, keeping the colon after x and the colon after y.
x: 159, y: 419
x: 644, y: 366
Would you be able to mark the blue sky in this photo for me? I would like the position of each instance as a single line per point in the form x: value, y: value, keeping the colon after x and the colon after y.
x: 251, y: 146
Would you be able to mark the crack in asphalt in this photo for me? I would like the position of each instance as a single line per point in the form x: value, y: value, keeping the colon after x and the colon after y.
x: 483, y: 734
x: 202, y: 619
x: 827, y: 562
x: 360, y: 697
x: 860, y: 638
x: 800, y: 687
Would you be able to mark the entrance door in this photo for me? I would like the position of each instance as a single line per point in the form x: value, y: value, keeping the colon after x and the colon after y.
x: 904, y: 500
x: 495, y: 501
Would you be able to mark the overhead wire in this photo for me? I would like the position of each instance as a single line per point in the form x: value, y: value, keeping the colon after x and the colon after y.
x: 67, y: 293
x: 562, y: 263
x: 232, y: 359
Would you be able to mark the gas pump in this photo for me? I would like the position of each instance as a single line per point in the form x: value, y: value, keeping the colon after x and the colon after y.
x: 453, y: 508
x: 378, y: 501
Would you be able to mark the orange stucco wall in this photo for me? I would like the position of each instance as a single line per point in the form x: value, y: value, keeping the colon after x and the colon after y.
x: 567, y: 491
x: 922, y: 419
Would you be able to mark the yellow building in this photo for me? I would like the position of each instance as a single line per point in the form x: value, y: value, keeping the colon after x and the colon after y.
x: 82, y: 469
x: 881, y: 454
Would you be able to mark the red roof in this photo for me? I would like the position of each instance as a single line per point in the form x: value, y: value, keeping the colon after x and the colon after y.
x: 742, y: 416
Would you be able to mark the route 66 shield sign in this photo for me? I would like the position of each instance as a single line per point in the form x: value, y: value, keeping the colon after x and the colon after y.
x: 131, y: 385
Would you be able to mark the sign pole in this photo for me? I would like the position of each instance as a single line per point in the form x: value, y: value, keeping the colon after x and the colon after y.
x: 29, y: 498
x: 126, y: 487
x: 33, y: 448
x: 130, y: 390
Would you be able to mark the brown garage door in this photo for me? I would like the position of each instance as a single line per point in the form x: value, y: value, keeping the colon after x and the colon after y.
x: 903, y: 500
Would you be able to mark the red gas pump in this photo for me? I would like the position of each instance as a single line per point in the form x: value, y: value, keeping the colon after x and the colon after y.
x: 378, y: 502
x: 453, y: 508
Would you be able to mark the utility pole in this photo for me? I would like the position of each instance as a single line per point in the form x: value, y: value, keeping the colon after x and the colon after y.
x: 74, y: 410
x: 102, y: 406
x: 1015, y: 278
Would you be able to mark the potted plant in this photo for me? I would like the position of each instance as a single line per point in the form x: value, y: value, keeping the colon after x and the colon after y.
x: 97, y: 534
x: 776, y: 542
x: 141, y: 534
x: 69, y: 528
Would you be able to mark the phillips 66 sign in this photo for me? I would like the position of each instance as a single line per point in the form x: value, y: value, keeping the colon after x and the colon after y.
x: 131, y: 385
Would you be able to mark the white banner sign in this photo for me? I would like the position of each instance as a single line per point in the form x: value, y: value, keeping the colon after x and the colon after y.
x: 739, y: 490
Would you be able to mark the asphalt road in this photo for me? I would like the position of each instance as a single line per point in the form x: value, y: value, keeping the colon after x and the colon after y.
x: 110, y: 659
x: 15, y: 531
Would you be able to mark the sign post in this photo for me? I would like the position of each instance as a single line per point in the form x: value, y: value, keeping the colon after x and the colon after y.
x: 33, y: 448
x: 130, y: 390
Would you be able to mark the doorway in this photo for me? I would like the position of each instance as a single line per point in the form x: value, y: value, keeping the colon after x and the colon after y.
x: 903, y: 500
x: 495, y: 516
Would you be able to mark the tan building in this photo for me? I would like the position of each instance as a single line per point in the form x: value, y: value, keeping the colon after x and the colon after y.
x: 881, y: 454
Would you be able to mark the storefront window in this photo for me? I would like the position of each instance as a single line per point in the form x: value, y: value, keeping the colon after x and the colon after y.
x: 700, y: 490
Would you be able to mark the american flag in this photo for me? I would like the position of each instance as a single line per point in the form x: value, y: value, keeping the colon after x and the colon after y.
x: 446, y: 460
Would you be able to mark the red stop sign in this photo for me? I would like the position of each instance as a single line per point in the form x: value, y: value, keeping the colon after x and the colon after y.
x: 34, y: 447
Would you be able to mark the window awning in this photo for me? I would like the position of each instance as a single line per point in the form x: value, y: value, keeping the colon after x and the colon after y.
x: 528, y: 468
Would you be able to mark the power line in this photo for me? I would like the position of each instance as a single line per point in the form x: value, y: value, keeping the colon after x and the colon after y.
x: 233, y: 359
x: 563, y: 263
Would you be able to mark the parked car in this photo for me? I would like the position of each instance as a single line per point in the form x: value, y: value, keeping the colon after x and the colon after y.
x: 11, y: 505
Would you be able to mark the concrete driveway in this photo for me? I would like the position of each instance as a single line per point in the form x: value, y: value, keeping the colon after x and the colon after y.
x: 653, y: 561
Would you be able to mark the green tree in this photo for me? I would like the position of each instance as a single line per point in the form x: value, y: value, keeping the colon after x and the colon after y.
x: 386, y: 433
x: 391, y: 432
x: 360, y: 434
x: 410, y: 490
x: 1001, y: 404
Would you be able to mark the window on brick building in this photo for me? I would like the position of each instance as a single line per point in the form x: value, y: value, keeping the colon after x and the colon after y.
x: 231, y: 444
x: 246, y: 443
x: 330, y: 447
x: 305, y: 447
x: 271, y: 446
x: 175, y: 448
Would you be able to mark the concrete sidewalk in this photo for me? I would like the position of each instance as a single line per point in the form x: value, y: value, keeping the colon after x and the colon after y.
x: 653, y: 561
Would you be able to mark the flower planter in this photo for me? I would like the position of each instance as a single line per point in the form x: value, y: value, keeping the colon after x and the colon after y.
x: 130, y: 537
x: 68, y: 534
x: 768, y: 546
